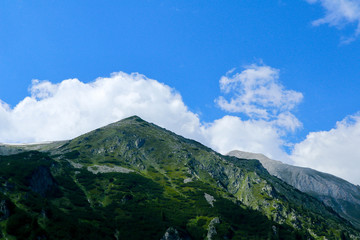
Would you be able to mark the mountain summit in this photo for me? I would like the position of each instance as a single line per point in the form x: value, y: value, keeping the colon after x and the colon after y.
x: 334, y: 192
x: 135, y: 180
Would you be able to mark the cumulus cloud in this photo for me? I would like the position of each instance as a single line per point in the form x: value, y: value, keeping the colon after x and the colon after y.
x: 258, y: 136
x: 340, y: 13
x: 257, y: 93
x: 335, y: 151
x: 70, y: 108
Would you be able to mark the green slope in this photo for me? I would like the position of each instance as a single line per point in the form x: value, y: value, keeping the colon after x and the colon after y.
x: 134, y: 180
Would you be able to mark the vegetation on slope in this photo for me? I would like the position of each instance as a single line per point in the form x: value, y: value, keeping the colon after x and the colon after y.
x: 153, y: 180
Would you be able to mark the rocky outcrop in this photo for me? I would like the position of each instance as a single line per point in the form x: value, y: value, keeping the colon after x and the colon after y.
x: 4, y: 210
x: 7, y: 186
x: 173, y: 234
x: 210, y: 199
x: 139, y: 142
x: 334, y: 192
x: 211, y: 228
x: 41, y: 181
x: 106, y: 169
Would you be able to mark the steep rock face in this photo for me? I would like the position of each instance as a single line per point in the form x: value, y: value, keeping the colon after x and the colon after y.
x: 335, y: 192
x: 4, y: 209
x: 173, y: 234
x: 211, y: 228
x: 41, y: 181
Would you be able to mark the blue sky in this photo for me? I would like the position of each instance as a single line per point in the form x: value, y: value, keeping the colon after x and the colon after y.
x: 308, y: 47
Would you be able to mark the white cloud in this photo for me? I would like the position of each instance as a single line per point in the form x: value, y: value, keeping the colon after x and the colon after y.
x: 70, y: 108
x: 258, y: 136
x: 257, y: 93
x: 336, y: 151
x: 340, y: 13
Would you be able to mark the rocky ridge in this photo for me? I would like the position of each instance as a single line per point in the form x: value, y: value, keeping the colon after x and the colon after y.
x: 334, y: 192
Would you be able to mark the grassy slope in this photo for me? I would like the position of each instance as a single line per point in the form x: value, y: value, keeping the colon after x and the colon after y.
x: 142, y: 205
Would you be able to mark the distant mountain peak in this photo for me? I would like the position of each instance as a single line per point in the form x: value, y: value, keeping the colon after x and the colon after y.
x: 333, y: 191
x: 248, y: 155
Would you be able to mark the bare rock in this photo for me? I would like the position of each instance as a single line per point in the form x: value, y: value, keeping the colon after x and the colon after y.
x: 211, y: 228
x: 4, y: 210
x: 41, y: 181
x: 210, y: 199
x: 173, y: 234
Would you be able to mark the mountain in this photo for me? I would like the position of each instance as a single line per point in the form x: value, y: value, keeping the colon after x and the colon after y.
x: 135, y: 180
x: 335, y: 192
x: 8, y: 149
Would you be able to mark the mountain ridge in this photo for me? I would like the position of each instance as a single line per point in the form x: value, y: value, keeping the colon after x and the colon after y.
x: 341, y: 195
x: 151, y: 182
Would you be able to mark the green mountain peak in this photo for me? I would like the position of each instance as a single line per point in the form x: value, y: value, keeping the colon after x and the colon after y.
x: 135, y: 180
x: 131, y: 119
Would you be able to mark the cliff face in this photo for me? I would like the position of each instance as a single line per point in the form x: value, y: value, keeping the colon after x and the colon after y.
x: 334, y: 192
x: 4, y: 209
x: 41, y: 181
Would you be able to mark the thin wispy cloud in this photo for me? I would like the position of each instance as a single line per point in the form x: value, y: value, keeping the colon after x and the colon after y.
x: 339, y: 13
